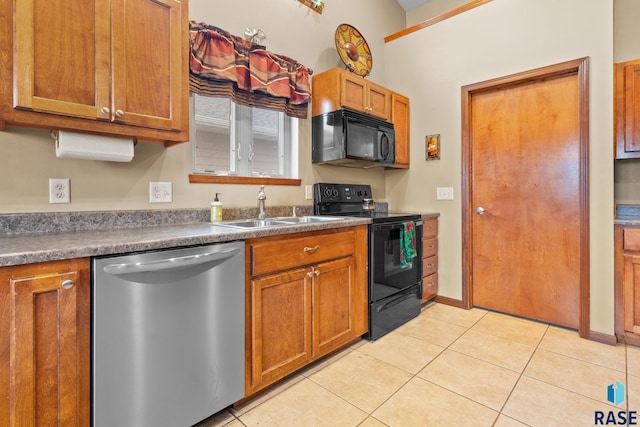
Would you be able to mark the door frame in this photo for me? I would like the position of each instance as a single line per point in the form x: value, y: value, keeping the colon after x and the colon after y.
x: 577, y: 67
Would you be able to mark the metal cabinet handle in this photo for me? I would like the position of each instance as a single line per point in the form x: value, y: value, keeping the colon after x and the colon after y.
x: 480, y: 210
x: 67, y: 284
x: 311, y: 250
x: 313, y: 272
x: 119, y: 113
x: 105, y: 110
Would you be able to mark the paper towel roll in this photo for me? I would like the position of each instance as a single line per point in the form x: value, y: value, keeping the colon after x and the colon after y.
x: 92, y: 147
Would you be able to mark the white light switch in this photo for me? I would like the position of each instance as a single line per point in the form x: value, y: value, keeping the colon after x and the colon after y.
x: 444, y: 193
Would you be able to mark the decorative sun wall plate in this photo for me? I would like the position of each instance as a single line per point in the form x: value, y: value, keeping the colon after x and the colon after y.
x: 353, y: 50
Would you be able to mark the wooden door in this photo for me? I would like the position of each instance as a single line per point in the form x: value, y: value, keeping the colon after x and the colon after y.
x: 148, y: 70
x: 527, y: 193
x: 280, y: 325
x: 64, y: 57
x: 333, y: 295
x: 49, y: 306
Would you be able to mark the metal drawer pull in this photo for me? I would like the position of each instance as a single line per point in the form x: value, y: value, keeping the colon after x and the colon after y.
x: 311, y: 250
x: 67, y: 284
x: 310, y: 274
x: 316, y: 272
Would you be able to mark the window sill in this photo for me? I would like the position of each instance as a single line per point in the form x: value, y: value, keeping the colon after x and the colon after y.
x: 216, y: 179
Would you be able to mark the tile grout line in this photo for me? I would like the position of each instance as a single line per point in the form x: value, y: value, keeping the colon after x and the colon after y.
x: 537, y: 346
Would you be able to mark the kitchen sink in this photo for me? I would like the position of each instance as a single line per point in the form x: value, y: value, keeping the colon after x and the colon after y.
x: 255, y: 223
x: 276, y: 222
x: 307, y: 219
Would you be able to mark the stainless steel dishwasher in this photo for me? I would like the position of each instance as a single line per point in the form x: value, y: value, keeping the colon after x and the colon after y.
x: 168, y: 335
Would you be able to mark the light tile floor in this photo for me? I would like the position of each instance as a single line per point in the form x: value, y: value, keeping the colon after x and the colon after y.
x: 453, y: 367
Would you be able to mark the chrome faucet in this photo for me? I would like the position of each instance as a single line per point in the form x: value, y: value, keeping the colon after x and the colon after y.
x: 261, y: 202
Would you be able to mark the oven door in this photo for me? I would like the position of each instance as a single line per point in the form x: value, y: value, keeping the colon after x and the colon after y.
x: 387, y: 272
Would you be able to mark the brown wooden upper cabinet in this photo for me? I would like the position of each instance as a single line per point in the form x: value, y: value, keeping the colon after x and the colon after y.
x: 627, y: 109
x: 337, y: 88
x: 400, y: 120
x: 113, y: 67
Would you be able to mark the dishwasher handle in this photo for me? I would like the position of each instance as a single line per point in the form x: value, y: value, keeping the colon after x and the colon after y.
x: 169, y: 264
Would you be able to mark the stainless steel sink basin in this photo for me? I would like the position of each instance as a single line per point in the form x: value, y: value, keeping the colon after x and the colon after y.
x: 307, y: 219
x: 254, y: 223
x: 276, y: 222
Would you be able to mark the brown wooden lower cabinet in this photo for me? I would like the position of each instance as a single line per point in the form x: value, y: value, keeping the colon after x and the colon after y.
x: 45, y: 344
x: 429, y: 258
x: 306, y: 297
x: 627, y: 283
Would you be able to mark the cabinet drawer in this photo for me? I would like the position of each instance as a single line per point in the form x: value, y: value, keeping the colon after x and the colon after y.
x: 430, y: 228
x: 284, y: 254
x: 429, y: 265
x: 429, y: 287
x: 631, y: 239
x: 429, y: 247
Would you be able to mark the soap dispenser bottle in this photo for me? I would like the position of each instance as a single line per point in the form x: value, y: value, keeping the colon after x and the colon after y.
x: 216, y: 209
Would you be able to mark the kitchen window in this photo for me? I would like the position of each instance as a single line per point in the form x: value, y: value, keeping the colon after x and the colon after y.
x: 234, y: 140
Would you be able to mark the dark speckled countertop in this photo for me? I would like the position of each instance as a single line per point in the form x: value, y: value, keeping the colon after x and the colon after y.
x: 81, y: 234
x: 627, y: 215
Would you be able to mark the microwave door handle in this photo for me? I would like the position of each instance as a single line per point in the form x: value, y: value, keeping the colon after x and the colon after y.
x: 385, y: 146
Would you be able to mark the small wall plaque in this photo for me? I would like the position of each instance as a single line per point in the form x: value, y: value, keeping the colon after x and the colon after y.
x: 432, y: 147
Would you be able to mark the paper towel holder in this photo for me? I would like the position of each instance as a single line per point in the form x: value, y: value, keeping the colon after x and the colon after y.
x: 93, y: 147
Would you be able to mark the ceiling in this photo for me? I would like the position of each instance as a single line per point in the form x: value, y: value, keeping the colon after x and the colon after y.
x: 408, y: 5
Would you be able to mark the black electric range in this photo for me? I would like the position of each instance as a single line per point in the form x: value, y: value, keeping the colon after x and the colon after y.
x: 395, y: 253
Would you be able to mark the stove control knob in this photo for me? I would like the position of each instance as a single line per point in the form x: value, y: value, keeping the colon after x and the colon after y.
x: 335, y: 192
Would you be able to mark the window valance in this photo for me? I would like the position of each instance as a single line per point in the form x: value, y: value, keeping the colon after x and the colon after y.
x: 222, y: 64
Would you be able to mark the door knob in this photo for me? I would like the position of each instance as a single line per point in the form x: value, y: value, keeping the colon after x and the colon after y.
x: 480, y: 210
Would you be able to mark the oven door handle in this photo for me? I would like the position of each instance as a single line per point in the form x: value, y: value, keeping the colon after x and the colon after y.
x: 395, y: 225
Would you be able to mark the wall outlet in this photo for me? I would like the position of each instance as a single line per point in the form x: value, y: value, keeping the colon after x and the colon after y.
x: 59, y: 191
x: 308, y: 192
x: 160, y: 192
x: 444, y: 193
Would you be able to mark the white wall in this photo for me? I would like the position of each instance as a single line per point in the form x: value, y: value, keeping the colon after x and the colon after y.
x: 27, y: 157
x: 497, y: 39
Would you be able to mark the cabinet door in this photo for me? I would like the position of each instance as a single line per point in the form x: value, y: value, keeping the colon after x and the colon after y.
x: 378, y: 101
x: 334, y: 304
x: 354, y: 93
x: 627, y: 109
x: 400, y: 120
x: 147, y: 63
x: 63, y: 58
x: 631, y: 289
x: 49, y: 306
x: 280, y: 325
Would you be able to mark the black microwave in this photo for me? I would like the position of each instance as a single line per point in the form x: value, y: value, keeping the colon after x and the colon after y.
x: 349, y: 138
